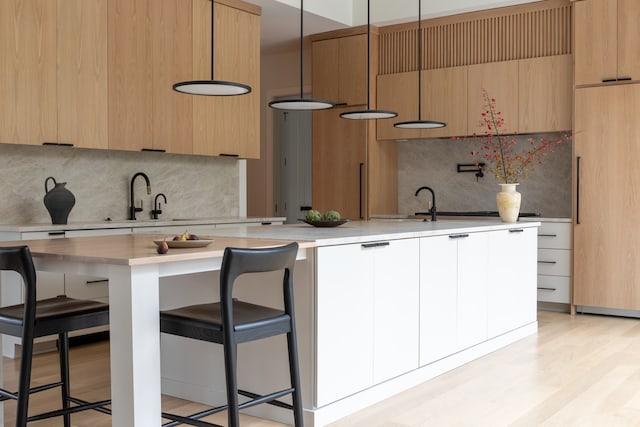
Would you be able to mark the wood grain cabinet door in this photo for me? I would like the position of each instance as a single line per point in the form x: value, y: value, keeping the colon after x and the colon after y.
x: 606, y: 221
x: 28, y: 72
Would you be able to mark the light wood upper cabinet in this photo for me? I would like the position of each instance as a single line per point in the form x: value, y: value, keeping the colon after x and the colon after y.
x: 444, y: 98
x: 228, y: 125
x: 605, y: 252
x: 82, y: 73
x: 130, y: 75
x: 340, y: 69
x: 545, y: 93
x: 500, y: 80
x: 171, y: 46
x: 28, y: 72
x: 606, y: 34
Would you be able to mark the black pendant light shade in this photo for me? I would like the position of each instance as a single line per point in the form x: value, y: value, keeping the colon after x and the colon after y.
x: 301, y: 104
x: 368, y: 114
x: 211, y: 87
x: 420, y: 124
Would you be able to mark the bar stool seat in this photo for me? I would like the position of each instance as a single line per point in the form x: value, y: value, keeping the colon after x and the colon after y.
x: 231, y: 322
x: 33, y: 319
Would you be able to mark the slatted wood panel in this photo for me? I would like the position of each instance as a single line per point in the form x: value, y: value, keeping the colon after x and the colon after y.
x: 478, y: 38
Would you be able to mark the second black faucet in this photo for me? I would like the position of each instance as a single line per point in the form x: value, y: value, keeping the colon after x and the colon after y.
x: 132, y: 206
x: 432, y: 211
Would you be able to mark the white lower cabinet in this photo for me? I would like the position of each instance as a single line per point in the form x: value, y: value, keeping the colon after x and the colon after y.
x: 512, y: 280
x: 453, y: 286
x: 367, y: 315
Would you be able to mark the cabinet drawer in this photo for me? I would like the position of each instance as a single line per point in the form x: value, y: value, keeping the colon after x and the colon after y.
x: 88, y: 287
x: 554, y: 289
x: 554, y: 262
x: 554, y: 235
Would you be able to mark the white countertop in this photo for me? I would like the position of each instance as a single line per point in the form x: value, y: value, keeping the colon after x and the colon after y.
x: 124, y: 223
x: 366, y: 231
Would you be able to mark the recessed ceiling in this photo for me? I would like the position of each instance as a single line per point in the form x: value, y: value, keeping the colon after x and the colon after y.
x: 280, y: 23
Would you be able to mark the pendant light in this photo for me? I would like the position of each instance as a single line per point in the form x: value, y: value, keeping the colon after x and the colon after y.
x: 302, y: 103
x: 420, y: 124
x: 368, y: 114
x: 211, y: 87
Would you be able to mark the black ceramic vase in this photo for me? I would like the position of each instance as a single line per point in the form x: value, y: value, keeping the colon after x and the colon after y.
x: 59, y: 201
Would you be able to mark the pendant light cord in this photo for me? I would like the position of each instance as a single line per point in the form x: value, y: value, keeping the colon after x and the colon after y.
x: 419, y: 60
x: 368, y: 54
x: 301, y: 36
x: 212, y: 37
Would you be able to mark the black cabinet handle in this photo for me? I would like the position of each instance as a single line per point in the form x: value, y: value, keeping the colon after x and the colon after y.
x: 361, y: 173
x: 578, y: 189
x: 547, y: 289
x: 59, y: 144
x: 93, y: 282
x: 609, y: 80
x: 547, y: 235
x: 458, y: 236
x: 516, y: 230
x: 305, y: 208
x: 265, y: 223
x: 624, y: 79
x: 375, y: 245
x: 229, y: 155
x: 56, y: 233
x: 154, y: 150
x: 547, y: 262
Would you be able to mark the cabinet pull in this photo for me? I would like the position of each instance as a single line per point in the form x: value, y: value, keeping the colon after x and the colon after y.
x: 56, y: 233
x: 361, y: 168
x: 516, y: 230
x: 93, y: 282
x: 547, y: 262
x: 61, y: 144
x: 341, y: 104
x: 265, y: 223
x: 547, y: 235
x: 375, y: 245
x: 547, y: 289
x: 229, y: 155
x: 155, y: 150
x: 624, y: 79
x: 609, y: 80
x: 578, y: 189
x: 458, y: 236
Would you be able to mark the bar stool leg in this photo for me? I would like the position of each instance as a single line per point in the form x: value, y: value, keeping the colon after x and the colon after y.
x: 63, y: 351
x: 294, y: 372
x: 25, y: 382
x: 230, y: 367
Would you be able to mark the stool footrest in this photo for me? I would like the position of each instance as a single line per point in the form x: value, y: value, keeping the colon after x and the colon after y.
x: 269, y: 398
x: 98, y: 406
x: 194, y: 419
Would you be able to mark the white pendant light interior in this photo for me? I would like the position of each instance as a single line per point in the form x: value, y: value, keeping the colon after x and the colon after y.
x: 368, y: 114
x: 211, y: 87
x: 420, y: 124
x: 301, y: 104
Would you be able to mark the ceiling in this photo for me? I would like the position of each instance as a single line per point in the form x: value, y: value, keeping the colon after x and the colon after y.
x: 281, y: 18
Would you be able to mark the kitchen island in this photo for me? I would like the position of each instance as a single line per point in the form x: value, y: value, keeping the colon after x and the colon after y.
x: 381, y: 306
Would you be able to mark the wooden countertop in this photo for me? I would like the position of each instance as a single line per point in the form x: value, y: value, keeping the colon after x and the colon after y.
x: 136, y: 249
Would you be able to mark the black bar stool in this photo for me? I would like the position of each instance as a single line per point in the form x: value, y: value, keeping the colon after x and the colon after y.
x: 34, y: 319
x: 231, y: 322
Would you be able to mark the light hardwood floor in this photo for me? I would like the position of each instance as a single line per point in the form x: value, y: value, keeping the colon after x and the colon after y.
x: 578, y: 371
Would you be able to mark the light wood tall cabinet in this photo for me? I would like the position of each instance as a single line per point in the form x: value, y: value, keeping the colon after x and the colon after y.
x: 353, y: 173
x: 606, y: 35
x: 606, y: 223
x: 340, y: 68
x: 28, y: 72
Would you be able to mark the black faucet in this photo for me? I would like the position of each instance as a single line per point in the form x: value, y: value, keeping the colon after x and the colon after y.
x: 157, y: 209
x: 132, y: 206
x: 432, y: 211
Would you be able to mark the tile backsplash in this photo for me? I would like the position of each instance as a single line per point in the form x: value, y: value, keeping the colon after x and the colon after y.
x: 195, y: 186
x: 433, y: 163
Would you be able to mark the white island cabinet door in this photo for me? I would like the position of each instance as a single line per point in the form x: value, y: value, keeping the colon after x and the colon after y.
x: 512, y: 280
x: 344, y: 322
x: 438, y: 298
x: 472, y: 288
x: 396, y: 307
